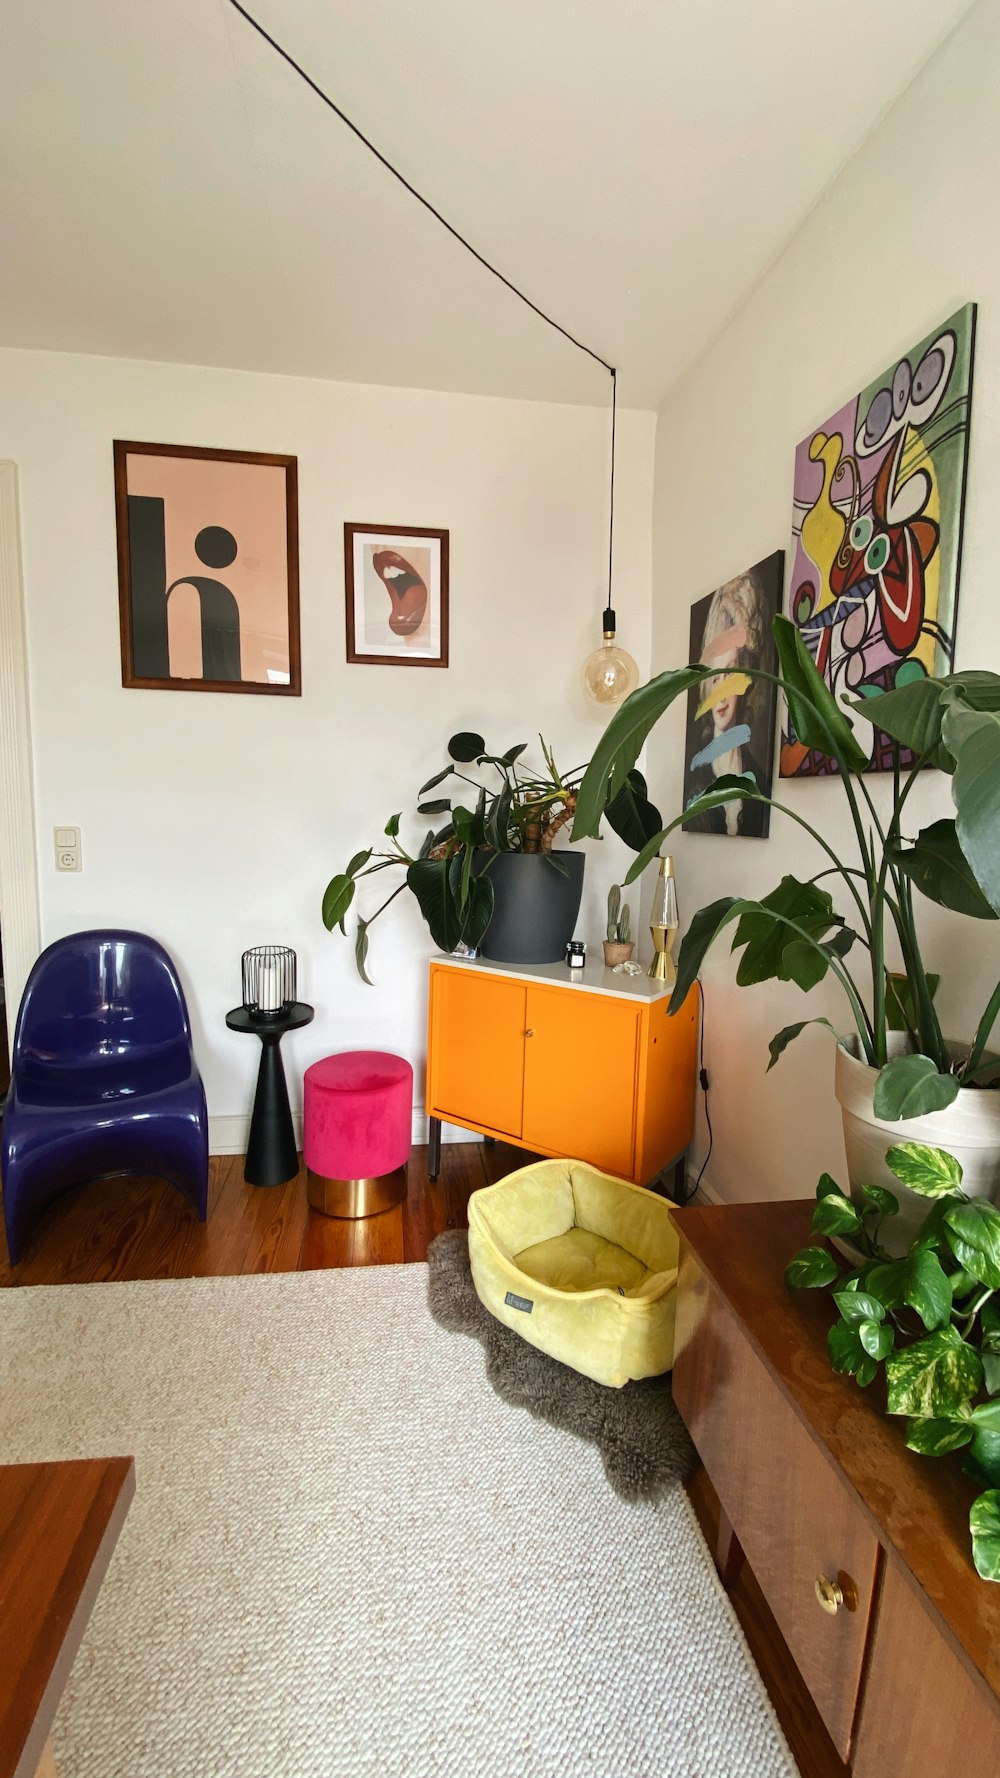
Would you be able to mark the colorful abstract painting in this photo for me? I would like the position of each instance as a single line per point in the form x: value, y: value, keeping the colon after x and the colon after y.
x: 877, y: 533
x: 731, y: 715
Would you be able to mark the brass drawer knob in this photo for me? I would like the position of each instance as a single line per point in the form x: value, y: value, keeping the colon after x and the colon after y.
x: 529, y: 1034
x: 829, y: 1594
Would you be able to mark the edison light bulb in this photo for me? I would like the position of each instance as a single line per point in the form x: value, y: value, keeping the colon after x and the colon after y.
x: 609, y: 674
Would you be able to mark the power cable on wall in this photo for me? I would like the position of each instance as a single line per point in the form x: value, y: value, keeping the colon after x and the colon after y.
x: 456, y: 235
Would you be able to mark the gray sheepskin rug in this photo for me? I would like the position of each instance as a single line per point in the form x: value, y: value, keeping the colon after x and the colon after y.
x: 642, y: 1439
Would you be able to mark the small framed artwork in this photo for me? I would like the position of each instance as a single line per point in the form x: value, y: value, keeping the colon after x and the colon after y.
x: 208, y: 569
x: 731, y: 716
x: 397, y: 595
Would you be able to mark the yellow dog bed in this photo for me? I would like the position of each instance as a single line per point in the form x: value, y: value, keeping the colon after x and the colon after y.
x: 581, y: 1265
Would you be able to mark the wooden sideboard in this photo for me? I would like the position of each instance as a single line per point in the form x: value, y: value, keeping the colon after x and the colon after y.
x: 859, y: 1546
x: 590, y: 1065
x: 59, y: 1523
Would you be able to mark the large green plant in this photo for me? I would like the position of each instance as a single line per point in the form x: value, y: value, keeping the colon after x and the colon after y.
x: 795, y: 933
x: 520, y: 810
x: 931, y: 1318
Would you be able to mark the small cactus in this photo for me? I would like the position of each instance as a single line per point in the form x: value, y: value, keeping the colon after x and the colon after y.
x: 619, y: 918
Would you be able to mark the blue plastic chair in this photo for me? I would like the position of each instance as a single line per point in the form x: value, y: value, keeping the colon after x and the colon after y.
x: 103, y: 1077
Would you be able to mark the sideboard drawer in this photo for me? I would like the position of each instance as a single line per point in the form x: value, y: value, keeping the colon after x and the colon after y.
x: 793, y: 1517
x: 923, y: 1713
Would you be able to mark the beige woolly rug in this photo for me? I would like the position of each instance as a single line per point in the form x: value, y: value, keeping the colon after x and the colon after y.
x: 347, y: 1558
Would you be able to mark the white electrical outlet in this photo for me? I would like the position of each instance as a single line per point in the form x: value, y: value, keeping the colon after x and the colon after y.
x: 68, y: 855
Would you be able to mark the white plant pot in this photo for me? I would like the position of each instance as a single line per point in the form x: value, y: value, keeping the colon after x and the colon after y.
x: 969, y: 1129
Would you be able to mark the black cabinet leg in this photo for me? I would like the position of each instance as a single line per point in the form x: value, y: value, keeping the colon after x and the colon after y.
x: 433, y: 1147
x: 490, y: 1141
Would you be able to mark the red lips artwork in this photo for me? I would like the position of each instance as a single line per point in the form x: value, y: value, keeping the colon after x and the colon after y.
x: 407, y: 591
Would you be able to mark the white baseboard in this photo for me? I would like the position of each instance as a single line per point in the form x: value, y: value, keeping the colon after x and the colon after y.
x: 228, y: 1133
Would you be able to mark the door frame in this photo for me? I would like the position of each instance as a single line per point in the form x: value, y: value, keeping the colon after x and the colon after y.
x: 19, y: 909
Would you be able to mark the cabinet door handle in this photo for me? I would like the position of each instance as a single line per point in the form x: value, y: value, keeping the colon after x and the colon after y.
x: 529, y: 1034
x: 829, y: 1594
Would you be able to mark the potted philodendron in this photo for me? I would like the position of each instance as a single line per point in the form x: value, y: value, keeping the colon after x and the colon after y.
x: 930, y: 1317
x: 490, y: 877
x: 897, y: 1074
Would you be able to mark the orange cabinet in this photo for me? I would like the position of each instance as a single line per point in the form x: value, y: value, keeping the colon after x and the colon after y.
x: 595, y: 1069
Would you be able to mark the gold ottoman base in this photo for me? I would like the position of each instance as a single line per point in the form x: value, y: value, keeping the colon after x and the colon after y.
x: 354, y: 1198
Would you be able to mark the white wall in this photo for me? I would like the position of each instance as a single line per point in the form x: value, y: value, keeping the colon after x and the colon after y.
x: 903, y: 238
x: 215, y: 822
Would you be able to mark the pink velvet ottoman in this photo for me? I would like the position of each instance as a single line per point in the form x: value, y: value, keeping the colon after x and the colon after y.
x: 357, y: 1132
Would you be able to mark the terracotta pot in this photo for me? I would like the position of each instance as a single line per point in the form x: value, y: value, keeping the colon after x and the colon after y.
x: 616, y: 953
x: 969, y: 1129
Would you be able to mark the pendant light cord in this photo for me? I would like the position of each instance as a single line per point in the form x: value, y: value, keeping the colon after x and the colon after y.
x: 456, y: 234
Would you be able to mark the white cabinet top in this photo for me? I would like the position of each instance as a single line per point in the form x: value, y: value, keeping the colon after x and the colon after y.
x: 593, y: 978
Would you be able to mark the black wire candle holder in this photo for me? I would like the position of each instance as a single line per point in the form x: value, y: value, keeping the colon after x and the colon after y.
x: 268, y: 979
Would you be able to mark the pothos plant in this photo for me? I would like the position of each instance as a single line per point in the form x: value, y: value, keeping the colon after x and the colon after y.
x: 930, y: 1319
x: 520, y: 809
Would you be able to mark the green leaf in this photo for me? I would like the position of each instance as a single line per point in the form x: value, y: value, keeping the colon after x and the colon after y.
x: 439, y: 806
x: 984, y: 1452
x: 815, y: 715
x: 361, y: 951
x: 876, y: 1338
x: 886, y: 1281
x: 911, y: 715
x: 498, y: 821
x: 987, y: 1416
x: 810, y: 1269
x: 835, y: 1215
x: 847, y: 1354
x: 779, y: 1044
x: 704, y: 929
x: 973, y: 737
x: 881, y: 1199
x: 932, y: 1232
x: 991, y: 1373
x: 974, y: 1234
x: 765, y: 935
x: 902, y: 1011
x: 337, y: 898
x: 858, y: 1305
x: 934, y: 1377
x: 866, y: 1372
x: 984, y: 1523
x: 939, y: 868
x: 932, y: 1438
x: 827, y: 1187
x: 432, y: 783
x: 930, y: 1171
x: 513, y: 753
x: 392, y: 826
x: 466, y: 747
x: 358, y: 862
x: 910, y: 1086
x: 926, y: 1288
x: 631, y: 814
x: 622, y: 742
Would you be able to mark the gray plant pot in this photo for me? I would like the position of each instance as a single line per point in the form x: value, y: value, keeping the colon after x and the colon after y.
x: 536, y: 905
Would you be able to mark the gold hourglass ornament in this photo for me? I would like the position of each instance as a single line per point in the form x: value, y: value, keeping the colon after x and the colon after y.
x: 663, y: 922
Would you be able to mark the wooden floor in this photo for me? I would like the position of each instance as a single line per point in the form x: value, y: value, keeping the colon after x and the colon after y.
x: 142, y: 1228
x: 137, y: 1228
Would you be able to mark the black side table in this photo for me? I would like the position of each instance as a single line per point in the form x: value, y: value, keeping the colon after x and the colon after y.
x: 272, y: 1156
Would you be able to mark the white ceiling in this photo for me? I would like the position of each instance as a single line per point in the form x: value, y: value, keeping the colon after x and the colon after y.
x: 172, y: 191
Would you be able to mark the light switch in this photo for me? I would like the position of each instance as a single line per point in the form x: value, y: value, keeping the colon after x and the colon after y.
x: 68, y: 855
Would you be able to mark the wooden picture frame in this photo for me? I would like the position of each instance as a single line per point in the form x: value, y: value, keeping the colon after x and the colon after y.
x: 181, y: 510
x: 411, y: 630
